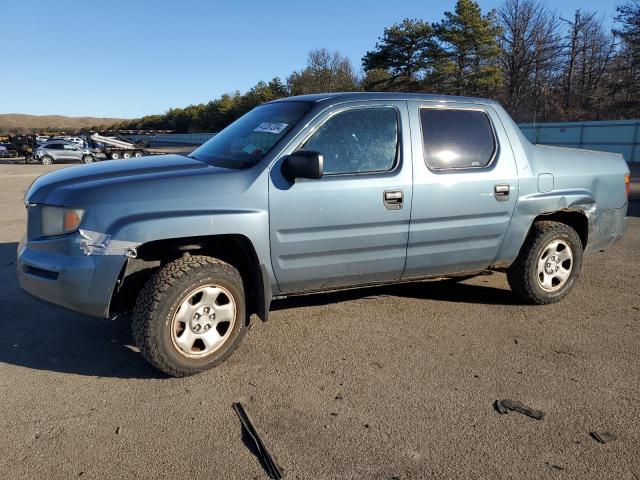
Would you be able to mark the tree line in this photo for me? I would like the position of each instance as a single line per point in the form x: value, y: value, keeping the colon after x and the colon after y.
x: 540, y: 65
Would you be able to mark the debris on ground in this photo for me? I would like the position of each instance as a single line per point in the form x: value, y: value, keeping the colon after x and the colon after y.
x: 267, y: 460
x: 118, y: 430
x: 604, y: 437
x: 555, y: 467
x: 504, y: 406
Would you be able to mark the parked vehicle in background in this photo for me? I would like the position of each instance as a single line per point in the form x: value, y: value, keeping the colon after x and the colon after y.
x: 62, y: 151
x: 9, y: 150
x: 315, y: 193
x: 42, y: 139
x: 118, y: 147
x: 75, y: 140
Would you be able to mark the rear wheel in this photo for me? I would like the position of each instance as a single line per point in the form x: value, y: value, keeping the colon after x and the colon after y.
x: 548, y: 265
x: 115, y: 155
x: 46, y: 160
x: 88, y: 159
x: 13, y: 154
x: 126, y: 155
x: 190, y: 316
x: 137, y: 154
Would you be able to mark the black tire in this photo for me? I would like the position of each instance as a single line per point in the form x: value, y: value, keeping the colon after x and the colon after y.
x: 115, y: 155
x: 523, y: 275
x: 46, y: 159
x: 88, y: 159
x: 13, y: 154
x: 160, y: 299
x: 126, y: 155
x: 138, y: 154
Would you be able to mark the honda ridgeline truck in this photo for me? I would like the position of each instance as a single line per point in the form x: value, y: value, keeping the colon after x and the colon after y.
x: 315, y: 193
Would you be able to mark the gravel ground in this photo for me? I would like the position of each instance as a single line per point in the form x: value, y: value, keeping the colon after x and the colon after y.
x: 390, y: 382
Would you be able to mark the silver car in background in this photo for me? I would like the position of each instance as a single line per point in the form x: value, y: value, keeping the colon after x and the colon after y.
x: 62, y: 151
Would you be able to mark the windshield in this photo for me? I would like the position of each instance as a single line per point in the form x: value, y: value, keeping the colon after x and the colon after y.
x: 248, y: 139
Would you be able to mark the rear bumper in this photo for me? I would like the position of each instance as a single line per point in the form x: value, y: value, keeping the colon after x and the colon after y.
x: 81, y: 283
x: 606, y: 227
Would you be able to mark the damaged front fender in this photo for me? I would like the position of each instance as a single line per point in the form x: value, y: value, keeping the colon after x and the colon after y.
x: 96, y: 243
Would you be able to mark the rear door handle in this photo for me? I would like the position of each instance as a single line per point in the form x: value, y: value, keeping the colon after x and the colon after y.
x: 393, y: 199
x: 501, y: 191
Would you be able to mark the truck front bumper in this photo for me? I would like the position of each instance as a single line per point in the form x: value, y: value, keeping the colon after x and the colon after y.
x: 83, y: 283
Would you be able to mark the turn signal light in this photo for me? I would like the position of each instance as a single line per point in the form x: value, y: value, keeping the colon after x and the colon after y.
x: 71, y: 220
x: 627, y: 184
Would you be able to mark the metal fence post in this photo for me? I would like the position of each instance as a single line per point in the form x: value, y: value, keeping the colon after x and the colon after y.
x: 635, y: 142
x: 581, y: 135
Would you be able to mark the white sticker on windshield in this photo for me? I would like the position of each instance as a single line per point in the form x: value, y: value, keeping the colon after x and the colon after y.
x: 271, y: 127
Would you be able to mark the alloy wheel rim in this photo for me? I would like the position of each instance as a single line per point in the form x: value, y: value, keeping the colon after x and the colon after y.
x: 555, y: 265
x: 204, y: 321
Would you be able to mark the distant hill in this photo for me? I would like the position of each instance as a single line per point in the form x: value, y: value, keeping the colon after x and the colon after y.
x: 12, y: 122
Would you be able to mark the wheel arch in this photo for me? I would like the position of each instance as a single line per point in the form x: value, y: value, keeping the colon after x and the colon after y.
x: 235, y: 249
x: 575, y: 218
x: 574, y: 207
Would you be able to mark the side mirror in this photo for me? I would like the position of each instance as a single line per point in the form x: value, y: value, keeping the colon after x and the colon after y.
x: 303, y: 164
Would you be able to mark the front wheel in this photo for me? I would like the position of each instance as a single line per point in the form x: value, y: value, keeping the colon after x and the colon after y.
x: 88, y: 159
x: 190, y: 316
x: 46, y: 160
x: 548, y: 265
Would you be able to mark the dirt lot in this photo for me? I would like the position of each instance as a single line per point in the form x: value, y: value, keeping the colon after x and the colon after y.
x: 394, y: 382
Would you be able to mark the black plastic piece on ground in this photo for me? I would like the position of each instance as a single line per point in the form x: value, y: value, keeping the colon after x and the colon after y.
x: 266, y: 458
x: 504, y: 406
x: 603, y: 438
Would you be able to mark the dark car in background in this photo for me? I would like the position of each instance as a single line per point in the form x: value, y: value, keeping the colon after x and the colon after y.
x: 9, y: 150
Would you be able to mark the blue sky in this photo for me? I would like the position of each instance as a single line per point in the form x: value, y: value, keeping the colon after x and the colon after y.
x: 130, y: 58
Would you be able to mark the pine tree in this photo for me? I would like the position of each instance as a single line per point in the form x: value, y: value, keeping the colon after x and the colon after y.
x: 402, y: 58
x: 468, y: 54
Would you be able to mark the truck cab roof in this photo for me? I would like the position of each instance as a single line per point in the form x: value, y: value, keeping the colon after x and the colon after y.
x: 333, y: 98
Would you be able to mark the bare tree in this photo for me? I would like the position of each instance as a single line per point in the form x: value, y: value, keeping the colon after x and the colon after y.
x: 588, y: 52
x: 325, y: 72
x: 530, y: 45
x: 626, y: 65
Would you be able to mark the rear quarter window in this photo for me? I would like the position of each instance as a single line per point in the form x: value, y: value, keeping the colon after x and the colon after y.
x: 457, y: 139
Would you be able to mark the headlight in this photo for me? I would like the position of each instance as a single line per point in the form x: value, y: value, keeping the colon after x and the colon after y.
x: 60, y: 220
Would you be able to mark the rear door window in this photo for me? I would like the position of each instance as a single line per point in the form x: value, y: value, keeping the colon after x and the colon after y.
x: 457, y: 139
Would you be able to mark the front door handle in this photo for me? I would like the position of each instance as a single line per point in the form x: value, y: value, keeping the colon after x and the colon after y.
x: 393, y: 199
x: 501, y: 191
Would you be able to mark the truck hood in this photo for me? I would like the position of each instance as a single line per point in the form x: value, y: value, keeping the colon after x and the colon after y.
x: 46, y: 187
x: 119, y: 194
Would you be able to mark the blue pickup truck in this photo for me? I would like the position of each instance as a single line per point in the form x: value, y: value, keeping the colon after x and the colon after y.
x: 309, y: 194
